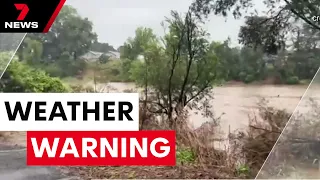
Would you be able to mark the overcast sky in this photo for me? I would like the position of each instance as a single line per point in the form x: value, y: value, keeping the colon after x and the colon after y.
x: 116, y: 20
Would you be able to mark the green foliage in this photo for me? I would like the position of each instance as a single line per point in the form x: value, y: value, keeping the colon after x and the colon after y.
x: 179, y: 69
x: 4, y: 59
x: 81, y: 89
x: 63, y: 67
x: 102, y: 47
x: 249, y: 78
x: 185, y: 156
x: 58, y: 51
x: 111, y: 71
x: 136, y: 46
x: 243, y: 170
x: 137, y: 72
x: 31, y: 51
x: 252, y: 64
x: 242, y: 76
x: 267, y: 35
x: 75, y: 35
x: 148, y: 59
x: 293, y: 80
x: 19, y: 77
x: 125, y: 65
x: 269, y: 31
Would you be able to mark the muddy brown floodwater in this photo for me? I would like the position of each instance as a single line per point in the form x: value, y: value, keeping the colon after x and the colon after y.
x: 237, y: 102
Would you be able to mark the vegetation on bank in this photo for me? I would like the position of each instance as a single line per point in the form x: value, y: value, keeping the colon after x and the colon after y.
x: 181, y: 68
x: 20, y: 77
x: 59, y: 55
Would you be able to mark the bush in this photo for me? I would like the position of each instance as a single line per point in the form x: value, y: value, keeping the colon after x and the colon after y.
x: 249, y: 78
x: 20, y: 77
x: 242, y: 75
x: 197, y: 157
x: 82, y: 89
x: 112, y: 70
x: 137, y: 72
x: 253, y: 147
x: 62, y: 68
x: 52, y: 69
x: 292, y: 80
x: 297, y: 151
x: 185, y: 156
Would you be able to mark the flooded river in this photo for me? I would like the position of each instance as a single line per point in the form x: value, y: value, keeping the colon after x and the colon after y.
x: 236, y: 102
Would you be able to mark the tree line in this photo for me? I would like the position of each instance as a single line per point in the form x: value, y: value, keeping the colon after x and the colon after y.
x: 281, y: 46
x: 179, y: 69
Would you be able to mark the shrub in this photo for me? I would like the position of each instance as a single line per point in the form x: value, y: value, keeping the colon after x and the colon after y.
x: 249, y: 78
x: 52, y: 69
x: 253, y: 147
x: 81, y: 89
x: 62, y: 68
x: 242, y: 75
x: 185, y: 156
x: 20, y: 77
x: 292, y: 80
x: 297, y: 151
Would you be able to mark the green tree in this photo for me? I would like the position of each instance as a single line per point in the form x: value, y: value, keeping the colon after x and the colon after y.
x: 70, y: 33
x: 304, y: 59
x: 179, y: 71
x: 280, y: 17
x: 31, y: 51
x: 136, y: 46
x: 252, y: 63
x: 267, y: 36
x: 57, y: 51
x: 229, y: 65
x: 102, y: 47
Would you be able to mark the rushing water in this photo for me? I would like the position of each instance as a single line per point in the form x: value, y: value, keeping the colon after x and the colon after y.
x: 236, y: 102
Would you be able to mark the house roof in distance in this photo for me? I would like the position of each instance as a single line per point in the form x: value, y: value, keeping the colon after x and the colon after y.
x: 90, y: 55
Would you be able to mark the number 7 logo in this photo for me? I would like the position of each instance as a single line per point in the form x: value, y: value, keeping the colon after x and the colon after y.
x: 24, y: 11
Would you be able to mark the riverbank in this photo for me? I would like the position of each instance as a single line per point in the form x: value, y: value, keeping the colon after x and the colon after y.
x: 89, y: 80
x: 233, y: 101
x: 266, y: 82
x: 234, y: 104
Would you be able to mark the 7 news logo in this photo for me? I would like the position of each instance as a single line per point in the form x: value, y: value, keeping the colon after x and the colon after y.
x: 20, y: 23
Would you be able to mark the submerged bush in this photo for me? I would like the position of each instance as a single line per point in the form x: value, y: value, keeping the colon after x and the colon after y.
x: 252, y: 147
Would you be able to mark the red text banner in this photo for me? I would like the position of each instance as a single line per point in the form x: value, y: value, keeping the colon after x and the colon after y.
x: 94, y: 148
